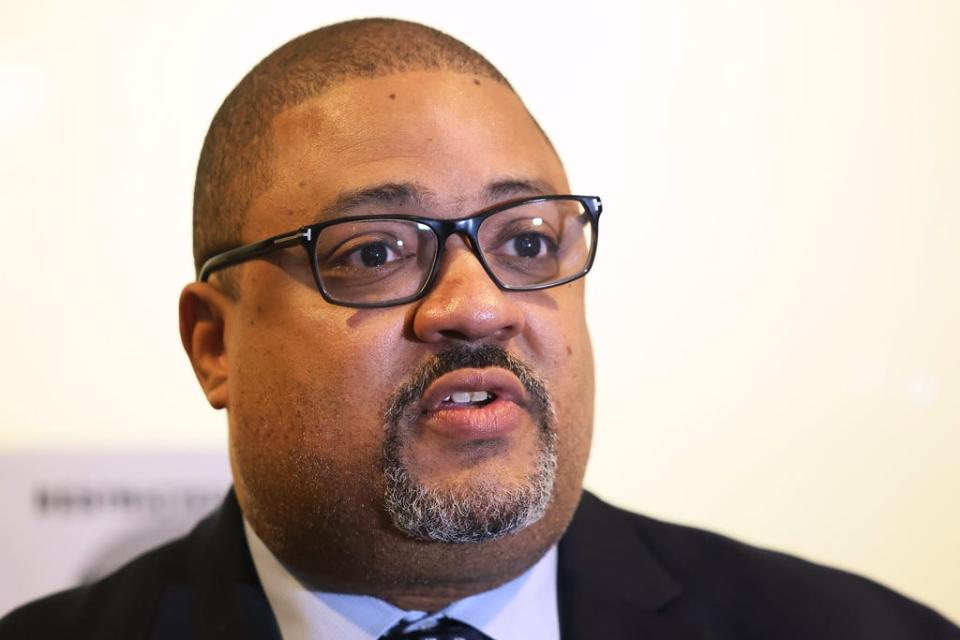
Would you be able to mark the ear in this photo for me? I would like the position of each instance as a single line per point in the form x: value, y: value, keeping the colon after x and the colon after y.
x: 203, y: 310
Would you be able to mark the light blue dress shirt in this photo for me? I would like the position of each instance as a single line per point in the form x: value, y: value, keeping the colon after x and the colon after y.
x: 523, y: 609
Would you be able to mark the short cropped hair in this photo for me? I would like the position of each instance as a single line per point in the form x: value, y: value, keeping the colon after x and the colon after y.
x: 234, y: 166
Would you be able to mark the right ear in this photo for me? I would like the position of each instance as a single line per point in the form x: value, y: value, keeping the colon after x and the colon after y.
x: 203, y: 310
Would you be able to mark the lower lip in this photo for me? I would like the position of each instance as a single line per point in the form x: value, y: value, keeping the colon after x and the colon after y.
x: 493, y: 420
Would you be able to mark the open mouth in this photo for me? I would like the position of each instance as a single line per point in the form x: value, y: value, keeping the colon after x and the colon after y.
x: 474, y: 404
x: 472, y: 389
x: 468, y: 399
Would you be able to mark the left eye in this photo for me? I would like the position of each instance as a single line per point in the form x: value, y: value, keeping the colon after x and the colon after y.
x: 376, y: 254
x: 529, y: 245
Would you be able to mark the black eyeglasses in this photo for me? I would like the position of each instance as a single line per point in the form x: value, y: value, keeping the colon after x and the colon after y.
x: 384, y: 260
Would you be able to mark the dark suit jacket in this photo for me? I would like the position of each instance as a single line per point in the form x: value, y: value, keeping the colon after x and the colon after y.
x: 621, y: 576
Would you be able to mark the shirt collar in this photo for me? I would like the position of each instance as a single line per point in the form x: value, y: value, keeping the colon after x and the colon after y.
x: 523, y: 608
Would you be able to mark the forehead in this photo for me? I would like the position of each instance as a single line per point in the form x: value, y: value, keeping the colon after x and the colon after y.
x: 454, y: 134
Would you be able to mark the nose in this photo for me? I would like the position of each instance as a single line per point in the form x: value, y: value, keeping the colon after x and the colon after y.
x: 464, y: 304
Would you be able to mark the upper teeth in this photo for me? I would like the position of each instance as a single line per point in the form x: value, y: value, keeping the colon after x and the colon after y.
x: 463, y: 397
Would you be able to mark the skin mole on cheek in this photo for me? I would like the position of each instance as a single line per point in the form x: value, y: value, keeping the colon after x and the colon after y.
x: 302, y: 184
x: 393, y: 96
x: 569, y: 350
x: 476, y: 82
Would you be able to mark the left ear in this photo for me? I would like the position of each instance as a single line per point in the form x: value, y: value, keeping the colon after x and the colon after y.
x: 203, y: 313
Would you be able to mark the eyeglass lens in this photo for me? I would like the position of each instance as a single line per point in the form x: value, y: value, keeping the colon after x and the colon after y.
x: 530, y: 245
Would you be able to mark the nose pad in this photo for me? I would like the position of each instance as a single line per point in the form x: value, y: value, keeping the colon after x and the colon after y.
x: 465, y: 304
x: 457, y: 253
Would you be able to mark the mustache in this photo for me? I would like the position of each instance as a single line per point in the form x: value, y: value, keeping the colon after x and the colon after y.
x: 462, y: 357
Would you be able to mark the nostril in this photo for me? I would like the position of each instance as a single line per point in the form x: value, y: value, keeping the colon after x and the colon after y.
x: 453, y: 334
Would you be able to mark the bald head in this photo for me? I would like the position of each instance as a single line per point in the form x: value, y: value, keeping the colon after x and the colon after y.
x: 234, y: 163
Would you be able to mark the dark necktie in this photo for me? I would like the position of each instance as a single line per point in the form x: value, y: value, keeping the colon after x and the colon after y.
x: 445, y: 629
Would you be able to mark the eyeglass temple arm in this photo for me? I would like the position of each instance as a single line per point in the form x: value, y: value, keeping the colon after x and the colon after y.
x: 251, y: 251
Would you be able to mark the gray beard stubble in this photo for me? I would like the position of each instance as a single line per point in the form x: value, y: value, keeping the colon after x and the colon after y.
x: 475, y: 513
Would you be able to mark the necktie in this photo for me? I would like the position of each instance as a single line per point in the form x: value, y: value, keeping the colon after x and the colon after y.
x: 445, y: 629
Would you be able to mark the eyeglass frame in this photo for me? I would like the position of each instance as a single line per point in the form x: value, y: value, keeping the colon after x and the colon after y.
x: 308, y: 235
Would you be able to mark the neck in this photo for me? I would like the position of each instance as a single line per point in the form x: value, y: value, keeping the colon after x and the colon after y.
x: 429, y: 602
x: 430, y: 576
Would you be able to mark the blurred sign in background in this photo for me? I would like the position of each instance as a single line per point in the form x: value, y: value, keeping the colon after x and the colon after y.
x: 70, y: 518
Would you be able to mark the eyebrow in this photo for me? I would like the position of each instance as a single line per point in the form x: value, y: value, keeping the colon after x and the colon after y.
x: 393, y: 194
x: 515, y: 187
x: 411, y: 194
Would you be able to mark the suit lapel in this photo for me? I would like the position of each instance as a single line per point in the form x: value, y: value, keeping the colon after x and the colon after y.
x: 224, y: 598
x: 610, y: 585
x: 234, y: 604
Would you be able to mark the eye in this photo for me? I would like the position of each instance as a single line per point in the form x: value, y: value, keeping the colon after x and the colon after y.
x: 374, y: 254
x: 370, y: 254
x: 515, y: 235
x: 527, y: 245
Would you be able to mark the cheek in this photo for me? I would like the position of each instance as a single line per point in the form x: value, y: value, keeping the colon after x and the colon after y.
x: 292, y: 337
x: 573, y: 400
x: 308, y: 385
x: 556, y: 331
x: 559, y: 332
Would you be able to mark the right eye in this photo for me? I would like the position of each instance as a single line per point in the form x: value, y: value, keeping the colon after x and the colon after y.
x: 370, y: 254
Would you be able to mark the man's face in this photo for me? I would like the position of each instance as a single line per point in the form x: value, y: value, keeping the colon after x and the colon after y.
x: 311, y: 384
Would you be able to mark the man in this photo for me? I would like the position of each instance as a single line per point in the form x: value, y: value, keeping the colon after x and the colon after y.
x: 390, y: 308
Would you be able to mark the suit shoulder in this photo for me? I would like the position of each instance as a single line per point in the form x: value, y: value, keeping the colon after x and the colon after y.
x: 121, y: 604
x: 763, y: 589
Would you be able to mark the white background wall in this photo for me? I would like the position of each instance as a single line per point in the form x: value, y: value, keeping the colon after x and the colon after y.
x: 775, y: 306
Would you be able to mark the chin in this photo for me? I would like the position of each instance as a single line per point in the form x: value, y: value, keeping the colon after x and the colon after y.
x: 479, y: 505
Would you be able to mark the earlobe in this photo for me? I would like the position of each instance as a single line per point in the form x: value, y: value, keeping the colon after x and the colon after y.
x: 203, y: 310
